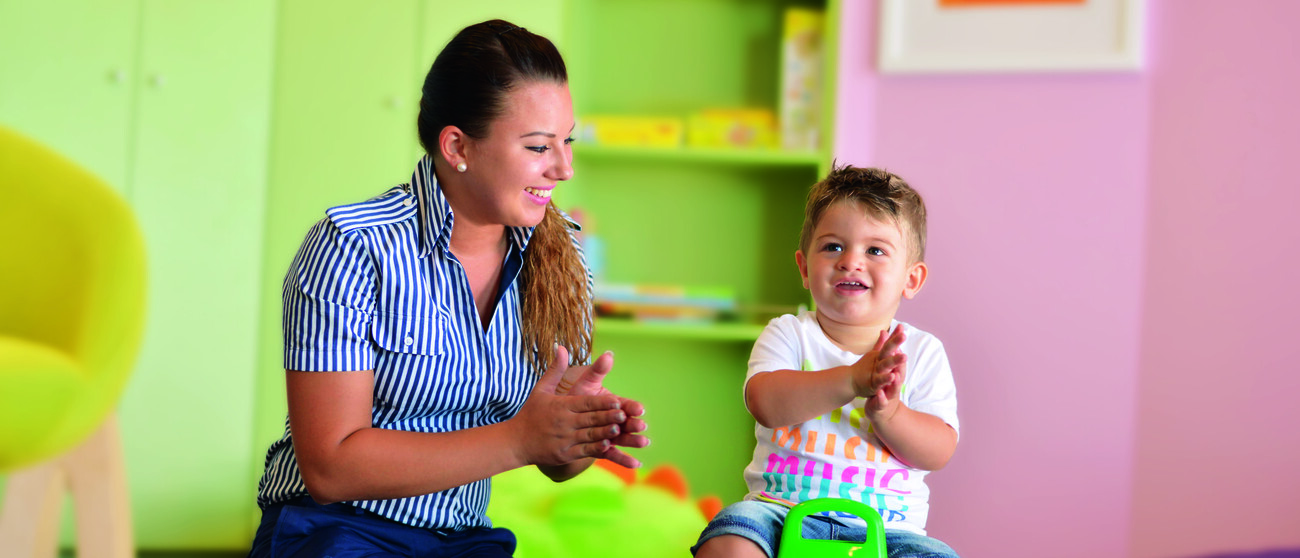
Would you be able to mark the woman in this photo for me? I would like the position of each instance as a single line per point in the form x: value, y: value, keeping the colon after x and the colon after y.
x: 417, y: 324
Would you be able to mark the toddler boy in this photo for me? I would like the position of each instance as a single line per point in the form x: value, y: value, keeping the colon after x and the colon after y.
x: 849, y: 402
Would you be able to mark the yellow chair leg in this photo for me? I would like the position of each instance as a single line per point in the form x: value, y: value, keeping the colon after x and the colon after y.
x: 95, y: 474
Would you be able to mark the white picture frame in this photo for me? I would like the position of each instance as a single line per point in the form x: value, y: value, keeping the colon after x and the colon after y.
x: 925, y: 36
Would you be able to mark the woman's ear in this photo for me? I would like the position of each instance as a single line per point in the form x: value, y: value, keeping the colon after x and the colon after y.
x: 915, y: 279
x: 453, y: 146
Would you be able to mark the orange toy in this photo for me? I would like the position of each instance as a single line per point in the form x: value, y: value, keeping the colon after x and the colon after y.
x: 710, y: 506
x: 671, y: 479
x: 668, y: 478
x: 627, y: 475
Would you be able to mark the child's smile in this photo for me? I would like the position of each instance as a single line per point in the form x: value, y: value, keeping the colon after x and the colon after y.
x: 850, y: 287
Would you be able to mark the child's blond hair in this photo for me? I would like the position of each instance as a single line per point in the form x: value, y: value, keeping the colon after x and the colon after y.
x: 882, y: 194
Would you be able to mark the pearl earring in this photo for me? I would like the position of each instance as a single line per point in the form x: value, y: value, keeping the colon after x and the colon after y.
x: 462, y: 167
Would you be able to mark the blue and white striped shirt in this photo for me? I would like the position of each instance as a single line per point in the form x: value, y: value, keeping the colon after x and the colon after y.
x: 376, y: 287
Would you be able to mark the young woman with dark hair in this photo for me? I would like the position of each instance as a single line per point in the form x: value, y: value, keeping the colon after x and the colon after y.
x: 428, y: 330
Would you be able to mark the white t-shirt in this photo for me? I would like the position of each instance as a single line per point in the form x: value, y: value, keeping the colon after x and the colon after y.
x: 837, y: 455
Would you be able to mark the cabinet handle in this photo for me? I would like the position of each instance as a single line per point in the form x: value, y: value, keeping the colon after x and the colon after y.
x: 158, y: 81
x: 116, y: 76
x: 392, y: 102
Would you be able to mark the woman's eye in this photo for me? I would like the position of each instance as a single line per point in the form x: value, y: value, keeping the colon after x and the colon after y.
x: 875, y: 251
x: 539, y: 148
x: 568, y: 141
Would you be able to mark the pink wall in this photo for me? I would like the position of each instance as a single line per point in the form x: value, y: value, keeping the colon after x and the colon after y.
x: 1218, y: 461
x: 1066, y: 244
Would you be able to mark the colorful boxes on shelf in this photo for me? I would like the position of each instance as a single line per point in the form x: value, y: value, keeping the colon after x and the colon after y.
x: 801, y: 79
x: 675, y: 303
x: 630, y: 130
x: 744, y: 128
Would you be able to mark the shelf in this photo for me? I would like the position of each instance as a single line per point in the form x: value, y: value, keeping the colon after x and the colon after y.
x: 701, y: 331
x: 768, y: 157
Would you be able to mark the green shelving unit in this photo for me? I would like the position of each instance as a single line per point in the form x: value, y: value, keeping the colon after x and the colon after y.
x: 695, y: 217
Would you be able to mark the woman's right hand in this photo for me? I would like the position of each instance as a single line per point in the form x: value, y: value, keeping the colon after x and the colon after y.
x: 555, y: 429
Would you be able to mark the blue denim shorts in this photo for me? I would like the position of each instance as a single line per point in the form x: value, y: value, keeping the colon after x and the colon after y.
x: 301, y: 528
x: 761, y: 522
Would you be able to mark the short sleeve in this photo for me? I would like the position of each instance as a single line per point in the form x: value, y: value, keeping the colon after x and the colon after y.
x: 777, y: 348
x: 329, y: 303
x: 933, y: 390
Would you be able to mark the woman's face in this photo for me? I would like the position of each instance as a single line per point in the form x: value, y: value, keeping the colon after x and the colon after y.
x: 526, y: 153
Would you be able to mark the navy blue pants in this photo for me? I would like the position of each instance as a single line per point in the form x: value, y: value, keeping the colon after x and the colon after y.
x: 303, y: 528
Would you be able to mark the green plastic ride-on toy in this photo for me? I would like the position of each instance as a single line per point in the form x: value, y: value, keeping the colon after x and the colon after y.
x: 794, y: 545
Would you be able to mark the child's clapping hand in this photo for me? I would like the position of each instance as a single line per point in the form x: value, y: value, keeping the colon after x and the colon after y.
x: 878, y: 376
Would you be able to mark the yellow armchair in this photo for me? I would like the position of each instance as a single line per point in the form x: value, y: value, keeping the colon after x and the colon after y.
x: 72, y: 295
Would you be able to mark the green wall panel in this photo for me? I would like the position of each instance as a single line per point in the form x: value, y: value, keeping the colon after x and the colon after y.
x: 169, y: 102
x: 67, y: 74
x: 342, y: 130
x: 199, y: 188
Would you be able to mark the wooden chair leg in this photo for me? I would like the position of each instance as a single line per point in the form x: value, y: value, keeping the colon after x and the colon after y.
x: 101, y: 506
x: 29, y: 521
x: 95, y: 474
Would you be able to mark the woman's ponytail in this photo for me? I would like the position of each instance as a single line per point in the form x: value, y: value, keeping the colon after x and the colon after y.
x: 556, y: 295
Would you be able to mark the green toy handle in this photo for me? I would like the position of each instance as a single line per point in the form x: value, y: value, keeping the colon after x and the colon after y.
x: 793, y: 545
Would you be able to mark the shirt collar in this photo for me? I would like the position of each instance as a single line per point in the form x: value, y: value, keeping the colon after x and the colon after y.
x: 436, y: 217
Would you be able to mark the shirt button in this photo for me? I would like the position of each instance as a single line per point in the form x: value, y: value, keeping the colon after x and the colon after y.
x: 409, y: 341
x: 408, y: 201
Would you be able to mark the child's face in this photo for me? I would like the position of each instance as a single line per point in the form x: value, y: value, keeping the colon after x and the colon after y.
x: 858, y: 268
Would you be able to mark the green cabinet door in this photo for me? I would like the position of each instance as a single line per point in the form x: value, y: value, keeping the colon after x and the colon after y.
x: 342, y: 130
x: 66, y: 77
x: 199, y: 175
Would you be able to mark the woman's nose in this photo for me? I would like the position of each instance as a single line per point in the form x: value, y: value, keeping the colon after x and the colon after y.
x: 563, y: 167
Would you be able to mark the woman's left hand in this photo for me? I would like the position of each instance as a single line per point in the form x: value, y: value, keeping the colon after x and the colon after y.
x: 590, y: 380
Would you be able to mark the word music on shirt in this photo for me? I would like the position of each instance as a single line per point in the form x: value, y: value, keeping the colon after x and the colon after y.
x: 805, y: 477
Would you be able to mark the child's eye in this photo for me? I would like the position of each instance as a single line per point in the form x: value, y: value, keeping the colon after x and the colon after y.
x: 832, y: 247
x: 875, y: 251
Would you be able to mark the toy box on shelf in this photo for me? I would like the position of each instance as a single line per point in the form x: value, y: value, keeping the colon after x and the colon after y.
x: 670, y: 303
x: 739, y: 128
x: 630, y: 130
x: 801, y: 79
